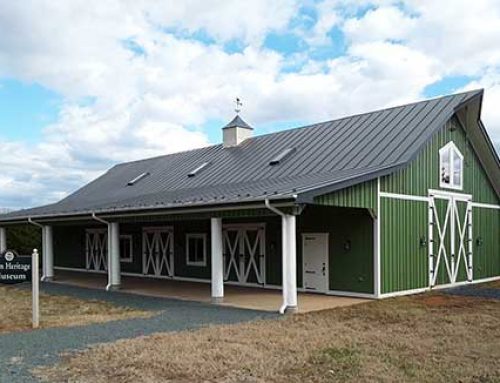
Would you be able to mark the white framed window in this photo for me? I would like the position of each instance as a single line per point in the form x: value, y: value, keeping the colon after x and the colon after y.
x: 126, y: 248
x: 196, y: 249
x: 451, y: 167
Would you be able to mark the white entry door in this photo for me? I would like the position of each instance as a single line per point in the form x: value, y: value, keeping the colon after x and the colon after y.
x: 315, y: 261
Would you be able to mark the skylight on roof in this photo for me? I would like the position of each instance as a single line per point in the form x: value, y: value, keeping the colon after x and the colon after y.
x: 282, y: 156
x: 198, y: 169
x: 137, y: 179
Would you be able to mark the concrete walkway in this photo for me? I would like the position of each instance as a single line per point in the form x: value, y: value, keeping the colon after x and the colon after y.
x: 21, y: 351
x: 254, y: 298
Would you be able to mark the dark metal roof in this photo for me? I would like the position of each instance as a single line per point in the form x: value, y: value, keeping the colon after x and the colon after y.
x: 327, y: 156
x: 237, y: 122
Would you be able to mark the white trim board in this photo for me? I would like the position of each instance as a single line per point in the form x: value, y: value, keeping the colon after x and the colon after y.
x: 83, y: 270
x: 351, y: 294
x: 438, y: 287
x: 376, y: 247
x: 446, y: 193
x: 408, y: 197
x: 485, y: 205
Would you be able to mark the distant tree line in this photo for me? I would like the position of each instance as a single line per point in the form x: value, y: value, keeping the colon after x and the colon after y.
x: 24, y: 238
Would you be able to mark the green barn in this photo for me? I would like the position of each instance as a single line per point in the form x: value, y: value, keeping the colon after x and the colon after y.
x: 396, y: 201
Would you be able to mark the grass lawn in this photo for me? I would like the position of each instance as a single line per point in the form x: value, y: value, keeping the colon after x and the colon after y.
x: 425, y: 338
x: 56, y: 310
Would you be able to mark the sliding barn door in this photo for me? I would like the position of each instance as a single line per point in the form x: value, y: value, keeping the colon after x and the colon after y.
x: 244, y: 253
x: 158, y: 251
x: 96, y: 249
x: 450, y: 232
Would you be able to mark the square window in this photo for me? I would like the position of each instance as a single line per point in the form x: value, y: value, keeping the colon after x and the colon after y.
x: 126, y: 248
x: 196, y: 249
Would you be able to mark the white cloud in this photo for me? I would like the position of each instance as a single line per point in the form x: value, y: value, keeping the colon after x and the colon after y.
x: 148, y: 104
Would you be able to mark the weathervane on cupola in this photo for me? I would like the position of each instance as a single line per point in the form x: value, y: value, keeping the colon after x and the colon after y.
x: 239, y: 104
x: 237, y: 130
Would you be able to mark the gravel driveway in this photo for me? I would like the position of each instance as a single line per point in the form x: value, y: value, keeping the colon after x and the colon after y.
x: 21, y: 351
x: 474, y: 291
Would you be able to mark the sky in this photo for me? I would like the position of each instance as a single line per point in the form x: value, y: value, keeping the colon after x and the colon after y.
x: 86, y: 84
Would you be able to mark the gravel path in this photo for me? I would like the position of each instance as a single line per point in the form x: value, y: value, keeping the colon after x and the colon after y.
x: 474, y: 291
x: 21, y: 351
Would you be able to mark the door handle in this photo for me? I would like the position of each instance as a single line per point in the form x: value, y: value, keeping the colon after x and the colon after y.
x: 324, y: 269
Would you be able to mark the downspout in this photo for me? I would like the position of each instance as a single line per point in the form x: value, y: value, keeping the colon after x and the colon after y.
x: 108, y: 286
x: 35, y: 223
x: 284, y: 305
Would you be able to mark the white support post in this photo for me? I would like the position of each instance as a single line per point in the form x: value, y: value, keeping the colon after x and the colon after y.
x: 284, y: 262
x: 291, y: 279
x: 35, y: 290
x: 3, y: 239
x: 114, y: 276
x: 217, y: 260
x: 48, y: 254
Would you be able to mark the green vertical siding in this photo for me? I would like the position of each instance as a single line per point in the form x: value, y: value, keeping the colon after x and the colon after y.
x: 69, y: 246
x: 404, y: 265
x: 486, y: 250
x: 350, y: 270
x: 363, y: 195
x: 423, y: 173
x: 404, y: 262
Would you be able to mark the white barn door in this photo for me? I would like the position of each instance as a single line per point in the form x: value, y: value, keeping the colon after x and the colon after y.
x: 244, y: 252
x: 450, y: 238
x: 158, y: 251
x: 96, y: 249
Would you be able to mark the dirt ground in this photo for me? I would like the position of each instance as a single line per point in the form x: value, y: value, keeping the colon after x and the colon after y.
x: 426, y: 338
x: 56, y: 310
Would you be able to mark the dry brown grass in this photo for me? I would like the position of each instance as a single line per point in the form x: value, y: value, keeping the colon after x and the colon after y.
x: 429, y: 338
x: 56, y: 310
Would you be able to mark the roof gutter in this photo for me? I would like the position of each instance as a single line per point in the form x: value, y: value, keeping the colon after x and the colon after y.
x: 98, y: 219
x: 149, y: 211
x: 284, y: 305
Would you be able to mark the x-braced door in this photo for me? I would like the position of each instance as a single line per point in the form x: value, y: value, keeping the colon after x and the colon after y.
x: 96, y: 249
x: 244, y: 253
x: 450, y: 238
x: 158, y: 251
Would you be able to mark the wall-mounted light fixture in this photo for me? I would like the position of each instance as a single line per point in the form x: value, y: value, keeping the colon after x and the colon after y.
x: 423, y: 241
x: 479, y: 241
x: 347, y: 245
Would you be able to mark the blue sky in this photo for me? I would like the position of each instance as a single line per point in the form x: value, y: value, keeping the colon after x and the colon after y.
x: 150, y: 78
x: 26, y: 108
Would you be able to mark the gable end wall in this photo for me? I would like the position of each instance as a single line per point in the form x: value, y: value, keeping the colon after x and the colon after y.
x: 404, y: 223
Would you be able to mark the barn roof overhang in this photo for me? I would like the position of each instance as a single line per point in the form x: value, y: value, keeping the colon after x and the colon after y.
x: 193, y: 211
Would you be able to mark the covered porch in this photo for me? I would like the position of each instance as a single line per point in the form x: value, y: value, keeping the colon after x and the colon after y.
x: 281, y: 256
